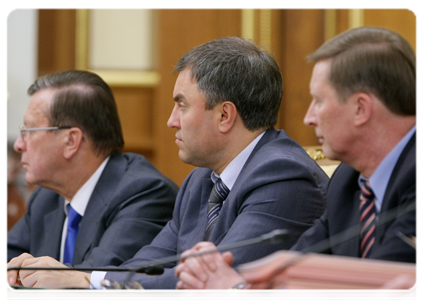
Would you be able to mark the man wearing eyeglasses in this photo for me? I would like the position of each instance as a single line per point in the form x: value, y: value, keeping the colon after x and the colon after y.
x: 95, y: 206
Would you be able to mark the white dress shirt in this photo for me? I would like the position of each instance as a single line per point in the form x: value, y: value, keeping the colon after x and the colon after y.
x: 80, y: 201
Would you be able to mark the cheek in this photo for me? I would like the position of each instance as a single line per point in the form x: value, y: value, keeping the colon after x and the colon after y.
x: 329, y: 118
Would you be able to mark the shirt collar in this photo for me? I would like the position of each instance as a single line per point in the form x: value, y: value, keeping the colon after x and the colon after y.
x: 231, y: 172
x: 82, y: 196
x: 380, y: 178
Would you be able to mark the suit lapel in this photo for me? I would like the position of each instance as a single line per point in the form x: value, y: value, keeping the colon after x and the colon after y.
x: 91, y: 229
x: 53, y: 224
x: 343, y: 211
x: 216, y: 235
x: 206, y: 188
x: 354, y: 247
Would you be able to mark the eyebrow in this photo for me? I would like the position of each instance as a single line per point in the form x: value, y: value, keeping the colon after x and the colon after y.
x: 178, y: 98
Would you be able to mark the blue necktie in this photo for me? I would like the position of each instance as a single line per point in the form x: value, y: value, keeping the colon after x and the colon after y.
x: 73, y: 227
x: 217, y: 196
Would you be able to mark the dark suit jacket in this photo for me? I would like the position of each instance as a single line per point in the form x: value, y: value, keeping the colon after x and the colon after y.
x: 342, y: 213
x: 279, y: 187
x: 130, y: 204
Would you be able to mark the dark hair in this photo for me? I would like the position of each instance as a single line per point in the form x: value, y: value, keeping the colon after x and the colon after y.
x: 375, y: 60
x: 233, y: 69
x: 84, y: 100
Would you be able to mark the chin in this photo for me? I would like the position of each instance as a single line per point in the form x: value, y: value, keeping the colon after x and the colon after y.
x: 328, y: 152
x: 30, y: 179
x: 183, y: 158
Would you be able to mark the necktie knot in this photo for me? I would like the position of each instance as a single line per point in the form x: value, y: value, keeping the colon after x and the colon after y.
x: 219, y: 193
x: 73, y: 217
x: 366, y: 192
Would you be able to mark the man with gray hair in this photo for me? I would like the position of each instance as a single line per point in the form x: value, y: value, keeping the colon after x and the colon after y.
x: 251, y: 178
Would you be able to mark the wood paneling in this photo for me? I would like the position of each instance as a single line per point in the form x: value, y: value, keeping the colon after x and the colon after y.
x: 136, y: 116
x: 300, y: 33
x: 341, y: 20
x: 56, y: 40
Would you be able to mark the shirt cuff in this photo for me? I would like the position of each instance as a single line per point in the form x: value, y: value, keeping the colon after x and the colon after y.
x: 96, y: 278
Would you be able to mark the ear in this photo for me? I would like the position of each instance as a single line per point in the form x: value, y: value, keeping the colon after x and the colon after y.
x: 73, y: 140
x: 363, y: 108
x: 228, y: 115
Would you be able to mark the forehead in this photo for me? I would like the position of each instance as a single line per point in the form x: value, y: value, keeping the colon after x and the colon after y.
x: 39, y: 105
x: 320, y: 74
x: 185, y: 85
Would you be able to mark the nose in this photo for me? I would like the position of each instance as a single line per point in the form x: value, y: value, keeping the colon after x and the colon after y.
x: 19, y: 144
x: 173, y: 121
x: 310, y: 117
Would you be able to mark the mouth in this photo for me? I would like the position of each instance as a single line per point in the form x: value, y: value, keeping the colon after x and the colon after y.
x: 320, y: 139
x: 178, y: 142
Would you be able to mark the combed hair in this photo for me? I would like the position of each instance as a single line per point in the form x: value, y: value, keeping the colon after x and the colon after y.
x: 234, y: 69
x: 84, y: 100
x: 375, y: 60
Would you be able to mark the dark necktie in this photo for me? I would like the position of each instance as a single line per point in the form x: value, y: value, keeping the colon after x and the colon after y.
x: 73, y: 227
x: 367, y: 219
x: 217, y: 196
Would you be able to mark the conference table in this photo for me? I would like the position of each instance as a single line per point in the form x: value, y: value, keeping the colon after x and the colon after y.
x: 286, y: 274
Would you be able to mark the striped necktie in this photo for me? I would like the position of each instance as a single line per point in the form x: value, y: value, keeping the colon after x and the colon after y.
x: 217, y: 196
x: 73, y: 227
x: 367, y: 220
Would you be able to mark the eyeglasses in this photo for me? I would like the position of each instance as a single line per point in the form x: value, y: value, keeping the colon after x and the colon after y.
x: 23, y: 129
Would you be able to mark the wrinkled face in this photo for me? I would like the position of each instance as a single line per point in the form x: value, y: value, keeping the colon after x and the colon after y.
x: 330, y: 118
x: 40, y: 149
x: 196, y: 127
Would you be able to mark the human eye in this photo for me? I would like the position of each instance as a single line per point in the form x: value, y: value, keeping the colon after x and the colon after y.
x: 181, y: 105
x: 317, y: 100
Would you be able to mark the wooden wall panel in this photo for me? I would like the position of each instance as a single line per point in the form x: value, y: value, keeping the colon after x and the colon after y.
x: 300, y: 32
x: 341, y: 20
x: 180, y: 31
x: 56, y: 40
x: 136, y: 116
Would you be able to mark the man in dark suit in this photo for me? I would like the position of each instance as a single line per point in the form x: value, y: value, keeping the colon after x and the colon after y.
x: 376, y: 142
x: 227, y: 97
x: 70, y: 146
x: 363, y: 112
